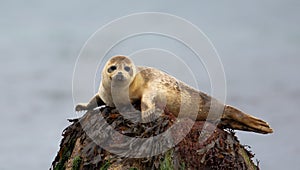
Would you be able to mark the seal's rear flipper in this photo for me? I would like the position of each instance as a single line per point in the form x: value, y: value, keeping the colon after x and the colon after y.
x: 236, y: 119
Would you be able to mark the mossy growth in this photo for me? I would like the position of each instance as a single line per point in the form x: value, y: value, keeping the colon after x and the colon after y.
x: 167, y: 163
x: 247, y: 159
x: 182, y: 166
x: 133, y: 168
x: 76, y: 163
x: 66, y: 153
x: 105, y: 166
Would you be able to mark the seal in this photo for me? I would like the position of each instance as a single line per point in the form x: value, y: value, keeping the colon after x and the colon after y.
x: 124, y: 83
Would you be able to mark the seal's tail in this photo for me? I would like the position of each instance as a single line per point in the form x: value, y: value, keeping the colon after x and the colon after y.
x: 236, y: 119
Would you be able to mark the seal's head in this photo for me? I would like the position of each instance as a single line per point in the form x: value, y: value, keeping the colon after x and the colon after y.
x: 119, y: 71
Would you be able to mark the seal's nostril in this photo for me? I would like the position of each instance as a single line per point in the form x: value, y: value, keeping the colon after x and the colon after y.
x: 119, y: 72
x: 119, y: 77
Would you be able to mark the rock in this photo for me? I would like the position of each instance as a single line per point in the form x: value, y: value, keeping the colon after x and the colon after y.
x: 201, y: 148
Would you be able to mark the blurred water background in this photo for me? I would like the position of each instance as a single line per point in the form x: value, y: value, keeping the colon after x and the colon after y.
x: 258, y: 42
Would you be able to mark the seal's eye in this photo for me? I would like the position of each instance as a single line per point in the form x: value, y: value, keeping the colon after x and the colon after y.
x: 111, y: 69
x: 127, y: 68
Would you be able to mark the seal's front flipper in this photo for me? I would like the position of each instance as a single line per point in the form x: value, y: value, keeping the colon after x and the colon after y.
x: 150, y: 110
x: 236, y: 119
x: 96, y: 101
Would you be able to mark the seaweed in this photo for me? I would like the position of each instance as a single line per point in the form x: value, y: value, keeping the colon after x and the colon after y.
x: 220, y: 150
